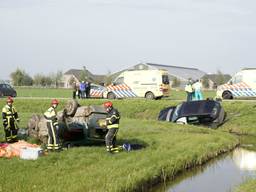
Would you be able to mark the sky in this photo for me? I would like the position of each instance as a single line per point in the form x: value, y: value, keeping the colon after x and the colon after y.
x: 45, y: 36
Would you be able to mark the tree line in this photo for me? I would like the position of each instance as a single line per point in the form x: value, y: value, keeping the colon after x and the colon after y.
x: 20, y: 78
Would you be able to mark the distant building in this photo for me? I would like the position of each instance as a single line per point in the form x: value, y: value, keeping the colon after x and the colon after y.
x: 75, y: 75
x: 176, y: 73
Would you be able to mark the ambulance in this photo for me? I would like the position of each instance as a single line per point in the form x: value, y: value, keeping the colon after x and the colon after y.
x: 241, y: 85
x: 150, y: 84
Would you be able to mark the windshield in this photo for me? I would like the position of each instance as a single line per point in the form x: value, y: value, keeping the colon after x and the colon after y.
x: 165, y: 79
x: 176, y: 113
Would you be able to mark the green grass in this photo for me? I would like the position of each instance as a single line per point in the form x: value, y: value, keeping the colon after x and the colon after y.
x: 67, y: 93
x: 43, y: 92
x: 170, y: 148
x: 241, y: 117
x: 248, y: 186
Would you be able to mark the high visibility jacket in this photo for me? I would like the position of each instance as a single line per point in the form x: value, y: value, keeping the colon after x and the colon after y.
x: 9, y: 115
x: 188, y: 88
x: 51, y: 116
x: 112, y: 119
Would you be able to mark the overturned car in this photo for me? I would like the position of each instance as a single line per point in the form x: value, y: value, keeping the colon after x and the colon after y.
x: 204, y: 112
x: 78, y: 125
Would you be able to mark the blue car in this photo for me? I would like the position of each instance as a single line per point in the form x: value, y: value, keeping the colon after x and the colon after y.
x: 208, y: 112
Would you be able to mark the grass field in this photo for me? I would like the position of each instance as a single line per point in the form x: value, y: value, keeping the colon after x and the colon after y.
x: 170, y: 148
x: 248, y: 186
x: 67, y: 93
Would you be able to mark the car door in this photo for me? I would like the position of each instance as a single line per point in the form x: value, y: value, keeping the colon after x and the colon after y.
x: 96, y: 91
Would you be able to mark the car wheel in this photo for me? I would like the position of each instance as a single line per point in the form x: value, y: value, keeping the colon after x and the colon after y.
x: 227, y: 95
x: 111, y: 95
x: 149, y: 95
x: 71, y: 107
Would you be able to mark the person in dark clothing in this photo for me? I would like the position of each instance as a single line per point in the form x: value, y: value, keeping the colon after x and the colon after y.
x: 10, y: 117
x: 74, y: 90
x: 112, y: 123
x: 88, y: 89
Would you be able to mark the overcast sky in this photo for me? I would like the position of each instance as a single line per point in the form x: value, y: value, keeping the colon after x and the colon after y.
x: 43, y: 36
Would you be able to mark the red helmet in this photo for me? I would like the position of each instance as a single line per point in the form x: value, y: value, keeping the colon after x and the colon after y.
x: 9, y: 100
x: 108, y: 104
x: 55, y: 101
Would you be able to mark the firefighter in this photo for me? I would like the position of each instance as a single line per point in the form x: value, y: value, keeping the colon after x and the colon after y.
x: 112, y: 123
x: 52, y: 125
x: 10, y: 119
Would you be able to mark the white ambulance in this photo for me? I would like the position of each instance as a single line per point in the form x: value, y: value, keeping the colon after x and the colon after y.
x: 242, y: 85
x: 150, y: 84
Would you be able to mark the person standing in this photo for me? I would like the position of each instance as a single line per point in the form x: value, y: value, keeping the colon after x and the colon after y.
x: 10, y: 119
x: 197, y: 86
x: 88, y: 89
x: 189, y: 90
x: 112, y: 123
x: 74, y: 89
x: 82, y: 89
x: 53, y: 126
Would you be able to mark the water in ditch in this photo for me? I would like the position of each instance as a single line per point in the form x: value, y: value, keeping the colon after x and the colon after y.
x: 223, y: 174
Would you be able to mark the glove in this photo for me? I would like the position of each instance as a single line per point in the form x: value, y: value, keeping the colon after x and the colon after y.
x: 102, y: 122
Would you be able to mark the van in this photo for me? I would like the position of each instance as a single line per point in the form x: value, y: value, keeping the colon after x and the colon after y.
x: 150, y: 84
x: 241, y: 85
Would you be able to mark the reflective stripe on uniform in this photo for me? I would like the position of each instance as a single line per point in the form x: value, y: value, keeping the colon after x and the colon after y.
x: 113, y: 126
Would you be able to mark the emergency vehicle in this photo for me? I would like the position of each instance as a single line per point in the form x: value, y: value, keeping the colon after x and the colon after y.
x: 150, y: 84
x: 241, y: 85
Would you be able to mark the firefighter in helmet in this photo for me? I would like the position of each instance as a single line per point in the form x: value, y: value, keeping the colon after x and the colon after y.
x: 52, y: 125
x: 112, y: 123
x: 10, y: 119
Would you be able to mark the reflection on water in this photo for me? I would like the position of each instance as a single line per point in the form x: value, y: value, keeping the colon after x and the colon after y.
x: 244, y: 159
x: 220, y: 175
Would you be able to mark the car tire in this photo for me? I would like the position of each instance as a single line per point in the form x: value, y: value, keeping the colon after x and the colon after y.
x: 71, y: 107
x: 227, y: 95
x: 111, y: 95
x: 149, y: 95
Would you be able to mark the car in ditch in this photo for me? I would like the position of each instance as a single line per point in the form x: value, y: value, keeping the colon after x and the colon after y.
x: 78, y: 125
x: 208, y: 113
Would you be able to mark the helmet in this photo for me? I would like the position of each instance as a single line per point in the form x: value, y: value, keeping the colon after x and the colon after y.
x: 108, y: 104
x: 9, y: 100
x: 55, y: 101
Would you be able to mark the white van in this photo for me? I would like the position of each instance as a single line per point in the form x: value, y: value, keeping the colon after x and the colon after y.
x: 151, y: 84
x: 242, y: 85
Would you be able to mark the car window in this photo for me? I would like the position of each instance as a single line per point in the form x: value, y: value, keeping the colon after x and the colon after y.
x: 118, y: 81
x: 165, y: 79
x: 8, y: 86
x: 237, y: 79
